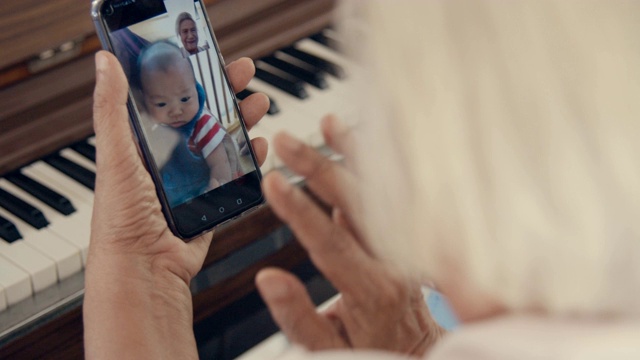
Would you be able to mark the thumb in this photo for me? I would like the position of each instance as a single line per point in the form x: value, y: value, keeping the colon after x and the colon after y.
x: 295, y: 313
x: 111, y: 117
x: 125, y: 196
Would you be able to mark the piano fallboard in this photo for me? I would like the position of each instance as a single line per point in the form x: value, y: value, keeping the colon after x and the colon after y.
x: 57, y: 100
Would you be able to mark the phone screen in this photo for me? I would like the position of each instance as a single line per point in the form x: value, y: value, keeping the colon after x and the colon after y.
x: 184, y: 112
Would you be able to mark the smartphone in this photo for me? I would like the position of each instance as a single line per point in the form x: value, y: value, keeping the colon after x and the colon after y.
x: 183, y: 111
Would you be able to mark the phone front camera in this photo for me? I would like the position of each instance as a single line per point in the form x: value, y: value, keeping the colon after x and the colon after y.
x: 109, y: 10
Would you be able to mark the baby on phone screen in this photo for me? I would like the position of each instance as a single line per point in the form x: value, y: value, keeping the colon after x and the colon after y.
x: 174, y: 98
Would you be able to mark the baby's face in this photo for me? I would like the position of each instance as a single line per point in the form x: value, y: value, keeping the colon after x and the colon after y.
x: 170, y: 96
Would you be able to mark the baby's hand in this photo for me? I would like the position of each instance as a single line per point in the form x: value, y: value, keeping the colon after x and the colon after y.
x: 214, y: 183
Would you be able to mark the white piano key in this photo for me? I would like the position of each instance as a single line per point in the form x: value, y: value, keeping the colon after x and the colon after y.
x: 16, y: 282
x: 302, y: 118
x: 78, y: 159
x: 315, y: 139
x: 65, y: 240
x: 338, y: 100
x: 324, y: 52
x: 293, y: 116
x: 286, y: 103
x: 77, y: 226
x: 291, y: 109
x: 277, y: 344
x: 60, y: 182
x: 272, y: 347
x: 41, y: 269
x: 80, y: 196
x: 3, y: 298
x: 261, y: 129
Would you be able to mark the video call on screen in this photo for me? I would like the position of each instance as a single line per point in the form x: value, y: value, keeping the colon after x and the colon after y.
x: 186, y: 109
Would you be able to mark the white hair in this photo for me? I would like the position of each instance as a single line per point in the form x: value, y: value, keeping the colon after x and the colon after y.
x: 501, y: 142
x: 180, y: 18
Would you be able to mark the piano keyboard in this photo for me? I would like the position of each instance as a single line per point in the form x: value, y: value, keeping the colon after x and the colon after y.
x: 301, y: 117
x: 46, y: 206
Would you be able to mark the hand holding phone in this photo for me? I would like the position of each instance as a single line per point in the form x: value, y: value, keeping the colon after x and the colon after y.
x: 183, y: 111
x: 138, y: 272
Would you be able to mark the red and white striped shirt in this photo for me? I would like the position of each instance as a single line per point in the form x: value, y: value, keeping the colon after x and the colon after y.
x: 207, y: 134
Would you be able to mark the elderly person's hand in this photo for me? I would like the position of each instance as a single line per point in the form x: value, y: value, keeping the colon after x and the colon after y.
x: 379, y: 307
x: 137, y: 298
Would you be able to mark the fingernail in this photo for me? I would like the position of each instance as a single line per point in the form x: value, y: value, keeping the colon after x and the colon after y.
x: 338, y: 126
x: 271, y: 287
x: 341, y: 127
x: 281, y: 183
x: 102, y: 63
x: 253, y: 64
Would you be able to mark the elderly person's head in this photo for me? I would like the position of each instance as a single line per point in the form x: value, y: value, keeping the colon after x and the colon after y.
x: 506, y: 161
x: 187, y: 31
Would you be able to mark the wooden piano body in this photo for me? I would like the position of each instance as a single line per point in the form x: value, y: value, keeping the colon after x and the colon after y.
x: 46, y: 83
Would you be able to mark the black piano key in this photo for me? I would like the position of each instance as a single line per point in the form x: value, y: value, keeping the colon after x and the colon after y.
x: 80, y: 174
x: 85, y: 149
x: 273, y: 106
x: 295, y: 88
x: 327, y: 41
x: 8, y: 231
x: 23, y: 210
x: 42, y: 193
x: 244, y: 94
x: 314, y: 78
x: 326, y: 65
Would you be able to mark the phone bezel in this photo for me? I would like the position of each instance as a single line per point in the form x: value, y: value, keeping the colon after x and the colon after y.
x: 142, y: 142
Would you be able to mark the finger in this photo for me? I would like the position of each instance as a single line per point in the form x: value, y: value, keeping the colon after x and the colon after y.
x: 240, y: 73
x: 110, y: 113
x: 295, y: 313
x: 253, y: 109
x: 260, y: 149
x: 338, y: 136
x: 331, y: 248
x: 121, y: 177
x: 340, y: 139
x: 353, y: 226
x: 331, y: 182
x: 118, y: 160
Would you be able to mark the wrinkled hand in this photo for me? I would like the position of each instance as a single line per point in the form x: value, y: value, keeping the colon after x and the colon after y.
x: 379, y: 307
x: 127, y: 217
x: 137, y: 298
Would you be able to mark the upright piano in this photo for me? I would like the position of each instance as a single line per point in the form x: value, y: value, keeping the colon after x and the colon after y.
x: 47, y: 159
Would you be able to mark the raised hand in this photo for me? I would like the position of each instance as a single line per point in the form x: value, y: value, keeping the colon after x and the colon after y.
x: 379, y: 307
